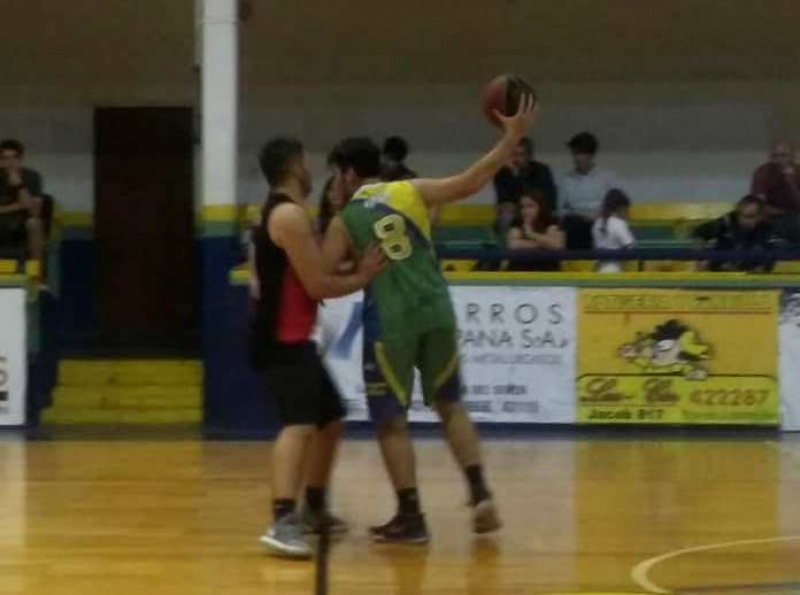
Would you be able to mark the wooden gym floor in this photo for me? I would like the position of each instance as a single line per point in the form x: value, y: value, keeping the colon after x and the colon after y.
x: 584, y: 513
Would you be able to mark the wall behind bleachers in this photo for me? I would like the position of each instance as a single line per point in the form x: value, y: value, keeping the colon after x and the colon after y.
x: 686, y: 141
x: 691, y: 148
x: 684, y: 101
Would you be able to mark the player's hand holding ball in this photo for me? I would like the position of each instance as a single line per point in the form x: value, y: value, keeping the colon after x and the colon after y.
x: 510, y: 103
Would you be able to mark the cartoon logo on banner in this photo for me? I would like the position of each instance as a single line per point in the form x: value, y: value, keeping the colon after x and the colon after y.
x: 671, y: 348
x: 681, y: 356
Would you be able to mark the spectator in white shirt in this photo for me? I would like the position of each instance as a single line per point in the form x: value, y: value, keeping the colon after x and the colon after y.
x: 581, y: 191
x: 610, y: 230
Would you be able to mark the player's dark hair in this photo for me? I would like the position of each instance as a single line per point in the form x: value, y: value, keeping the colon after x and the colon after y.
x: 11, y: 144
x: 276, y: 156
x: 360, y: 154
x: 396, y: 148
x: 584, y: 143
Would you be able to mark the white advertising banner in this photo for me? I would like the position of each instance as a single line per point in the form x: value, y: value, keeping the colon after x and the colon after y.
x: 517, y: 351
x: 13, y: 357
x: 789, y: 353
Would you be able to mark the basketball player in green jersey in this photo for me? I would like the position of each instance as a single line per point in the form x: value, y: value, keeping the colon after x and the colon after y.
x: 408, y: 316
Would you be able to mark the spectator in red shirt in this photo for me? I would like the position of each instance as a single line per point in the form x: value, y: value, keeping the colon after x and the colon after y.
x: 778, y: 182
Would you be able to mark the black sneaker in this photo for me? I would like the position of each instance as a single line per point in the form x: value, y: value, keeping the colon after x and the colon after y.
x: 315, y: 521
x: 402, y: 529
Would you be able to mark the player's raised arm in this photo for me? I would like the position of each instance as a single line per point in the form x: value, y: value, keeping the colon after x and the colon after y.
x: 474, y: 178
x: 291, y: 229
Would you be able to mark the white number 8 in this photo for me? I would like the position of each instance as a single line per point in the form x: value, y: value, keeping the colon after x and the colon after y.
x: 391, y: 231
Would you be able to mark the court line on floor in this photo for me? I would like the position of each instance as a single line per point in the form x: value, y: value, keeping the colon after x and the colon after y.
x: 640, y: 574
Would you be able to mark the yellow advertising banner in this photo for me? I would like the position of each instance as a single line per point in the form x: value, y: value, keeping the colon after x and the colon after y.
x: 677, y: 357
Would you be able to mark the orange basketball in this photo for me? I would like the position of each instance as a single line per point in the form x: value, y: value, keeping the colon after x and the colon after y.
x: 503, y: 94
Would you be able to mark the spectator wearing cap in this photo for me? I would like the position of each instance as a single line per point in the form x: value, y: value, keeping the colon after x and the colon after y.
x: 582, y: 190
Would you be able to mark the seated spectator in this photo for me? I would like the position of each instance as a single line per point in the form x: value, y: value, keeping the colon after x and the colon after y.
x: 394, y: 153
x: 524, y: 174
x: 582, y: 190
x: 534, y: 228
x: 778, y: 183
x: 610, y: 230
x: 21, y: 226
x: 745, y: 228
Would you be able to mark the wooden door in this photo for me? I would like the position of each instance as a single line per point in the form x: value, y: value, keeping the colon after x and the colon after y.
x: 144, y: 222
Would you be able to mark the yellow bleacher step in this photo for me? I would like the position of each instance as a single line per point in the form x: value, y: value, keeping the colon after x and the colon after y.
x: 59, y: 416
x: 8, y: 267
x: 83, y: 373
x: 141, y: 391
x: 128, y: 397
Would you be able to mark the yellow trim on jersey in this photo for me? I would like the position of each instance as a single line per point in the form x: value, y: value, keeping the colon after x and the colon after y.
x: 445, y: 374
x: 388, y: 373
x: 402, y: 197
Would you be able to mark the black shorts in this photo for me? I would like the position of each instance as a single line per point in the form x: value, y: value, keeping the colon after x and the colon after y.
x: 301, y: 386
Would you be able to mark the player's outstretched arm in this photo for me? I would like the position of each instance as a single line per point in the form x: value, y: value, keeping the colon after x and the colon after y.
x: 290, y: 228
x: 473, y: 179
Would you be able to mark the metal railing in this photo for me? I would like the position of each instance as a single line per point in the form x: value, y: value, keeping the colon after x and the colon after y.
x: 745, y: 258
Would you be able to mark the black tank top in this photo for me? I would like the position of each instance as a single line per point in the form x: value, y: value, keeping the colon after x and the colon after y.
x: 283, y: 312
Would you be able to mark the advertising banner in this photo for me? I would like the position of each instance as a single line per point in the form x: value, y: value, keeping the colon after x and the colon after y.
x: 677, y: 357
x: 13, y: 357
x: 517, y: 348
x: 789, y: 342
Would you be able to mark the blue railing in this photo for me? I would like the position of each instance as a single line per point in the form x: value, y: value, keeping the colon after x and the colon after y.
x: 747, y: 257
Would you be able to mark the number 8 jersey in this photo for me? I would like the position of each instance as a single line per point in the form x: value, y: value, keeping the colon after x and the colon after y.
x: 410, y: 296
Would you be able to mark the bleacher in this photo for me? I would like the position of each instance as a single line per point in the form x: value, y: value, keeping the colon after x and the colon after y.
x: 659, y: 227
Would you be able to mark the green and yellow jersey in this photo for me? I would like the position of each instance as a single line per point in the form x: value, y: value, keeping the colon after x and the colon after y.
x: 410, y: 296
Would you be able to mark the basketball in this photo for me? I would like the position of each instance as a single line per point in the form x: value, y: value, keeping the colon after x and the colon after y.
x: 503, y: 94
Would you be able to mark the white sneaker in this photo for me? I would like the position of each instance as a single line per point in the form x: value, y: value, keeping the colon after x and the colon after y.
x: 285, y: 538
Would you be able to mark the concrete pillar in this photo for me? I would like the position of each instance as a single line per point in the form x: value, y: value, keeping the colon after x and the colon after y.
x: 219, y: 63
x: 221, y: 327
